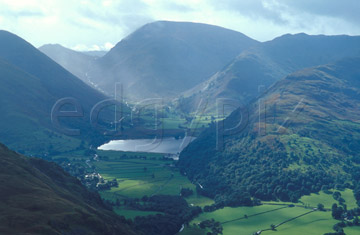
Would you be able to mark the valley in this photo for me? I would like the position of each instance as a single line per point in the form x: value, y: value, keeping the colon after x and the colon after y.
x: 142, y: 175
x: 180, y: 128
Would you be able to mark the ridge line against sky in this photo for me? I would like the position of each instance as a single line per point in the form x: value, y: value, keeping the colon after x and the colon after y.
x: 100, y: 24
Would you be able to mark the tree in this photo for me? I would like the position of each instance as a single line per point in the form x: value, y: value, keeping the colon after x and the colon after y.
x: 320, y: 207
x: 337, y: 211
x: 186, y: 192
x: 336, y: 195
x: 356, y: 221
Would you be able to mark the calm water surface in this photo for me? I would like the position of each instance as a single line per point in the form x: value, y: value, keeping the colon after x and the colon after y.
x: 165, y: 145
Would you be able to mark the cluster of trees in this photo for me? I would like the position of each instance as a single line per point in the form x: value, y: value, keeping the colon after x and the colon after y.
x: 347, y: 217
x: 213, y: 225
x: 339, y: 227
x: 337, y: 212
x: 240, y: 175
x: 158, y: 224
x: 175, y: 212
x: 125, y: 156
x: 265, y: 165
x: 186, y: 192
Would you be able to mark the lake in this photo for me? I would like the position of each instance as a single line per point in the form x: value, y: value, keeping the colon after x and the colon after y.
x: 164, y: 145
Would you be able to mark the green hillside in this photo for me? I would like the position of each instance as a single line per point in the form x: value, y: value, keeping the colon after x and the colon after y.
x: 30, y: 85
x: 38, y: 197
x: 304, y: 136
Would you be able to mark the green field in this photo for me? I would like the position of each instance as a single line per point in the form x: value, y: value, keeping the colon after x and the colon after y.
x: 138, y: 177
x: 352, y: 230
x: 175, y: 120
x: 350, y: 200
x: 312, y: 224
x: 234, y: 222
x: 140, y: 174
x: 327, y: 199
x: 160, y: 177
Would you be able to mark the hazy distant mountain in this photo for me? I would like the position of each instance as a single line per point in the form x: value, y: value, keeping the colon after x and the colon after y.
x: 30, y: 84
x: 38, y: 197
x: 162, y: 59
x: 267, y: 63
x: 77, y: 63
x: 301, y: 135
x: 95, y: 53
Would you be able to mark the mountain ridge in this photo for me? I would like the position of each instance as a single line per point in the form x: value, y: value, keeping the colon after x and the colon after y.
x: 303, y: 136
x: 269, y: 62
x: 78, y: 63
x: 181, y: 52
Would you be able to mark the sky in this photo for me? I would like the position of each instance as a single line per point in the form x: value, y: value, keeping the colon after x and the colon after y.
x: 100, y: 24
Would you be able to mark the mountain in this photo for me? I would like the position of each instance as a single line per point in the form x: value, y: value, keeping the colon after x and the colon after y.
x: 302, y: 135
x: 263, y: 65
x: 163, y: 58
x: 95, y: 53
x: 77, y: 63
x: 31, y: 83
x: 38, y: 197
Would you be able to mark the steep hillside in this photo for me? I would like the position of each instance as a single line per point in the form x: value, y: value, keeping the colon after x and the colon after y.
x: 301, y: 135
x: 267, y: 63
x: 31, y: 84
x: 162, y: 59
x: 61, y: 83
x: 38, y: 197
x: 75, y: 62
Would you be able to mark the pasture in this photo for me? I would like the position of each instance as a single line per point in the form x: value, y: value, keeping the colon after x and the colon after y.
x: 261, y: 217
x: 140, y: 174
x: 327, y: 199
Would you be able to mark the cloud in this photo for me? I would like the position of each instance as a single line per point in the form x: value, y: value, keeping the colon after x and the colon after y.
x: 96, y: 22
x: 123, y: 14
x: 108, y: 46
x: 82, y: 47
x: 22, y: 13
x: 348, y: 10
x: 305, y: 14
x: 254, y: 9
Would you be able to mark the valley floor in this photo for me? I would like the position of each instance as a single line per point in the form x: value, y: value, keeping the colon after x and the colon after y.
x: 140, y: 174
x: 310, y: 222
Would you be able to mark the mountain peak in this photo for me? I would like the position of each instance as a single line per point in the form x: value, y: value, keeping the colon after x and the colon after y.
x: 55, y: 45
x: 165, y: 58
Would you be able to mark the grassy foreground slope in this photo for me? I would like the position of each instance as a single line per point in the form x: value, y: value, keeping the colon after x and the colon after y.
x: 38, y: 197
